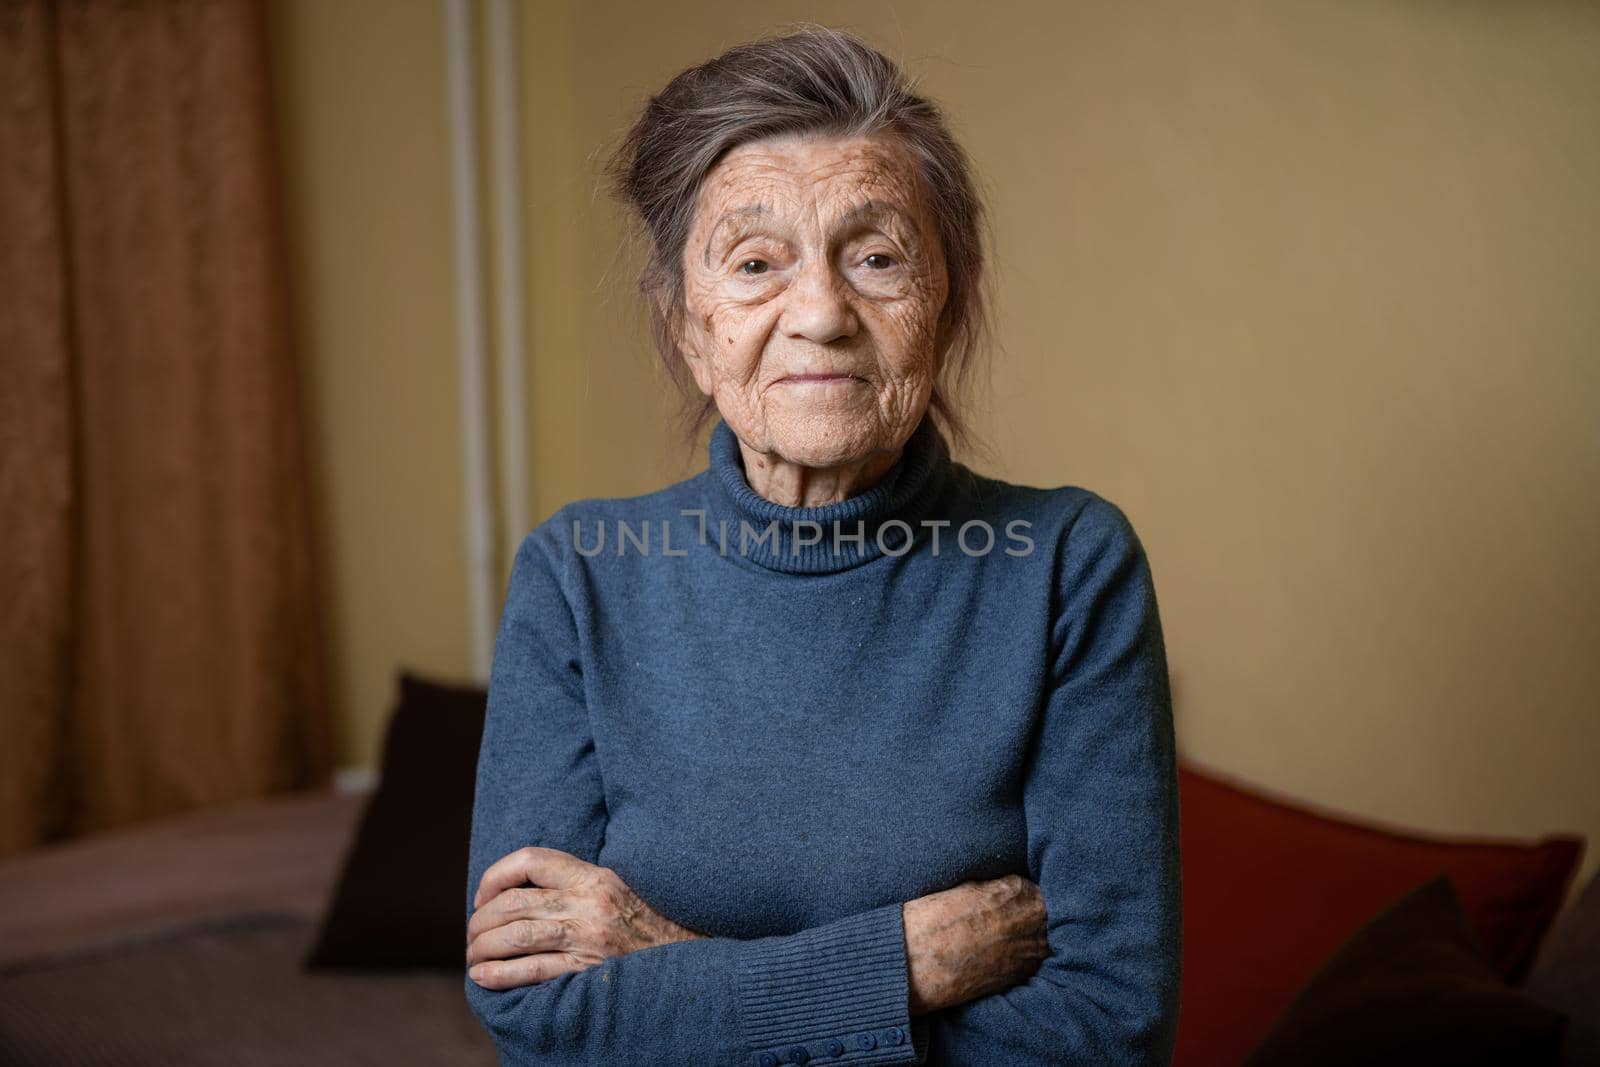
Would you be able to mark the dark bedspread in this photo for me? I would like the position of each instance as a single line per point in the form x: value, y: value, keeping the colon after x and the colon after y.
x: 181, y: 943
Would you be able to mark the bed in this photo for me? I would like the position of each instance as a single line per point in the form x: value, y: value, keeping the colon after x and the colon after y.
x: 184, y: 943
x: 325, y: 928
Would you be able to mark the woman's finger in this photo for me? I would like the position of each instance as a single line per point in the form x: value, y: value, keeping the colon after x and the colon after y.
x: 527, y: 970
x: 514, y: 904
x: 518, y: 938
x: 542, y: 866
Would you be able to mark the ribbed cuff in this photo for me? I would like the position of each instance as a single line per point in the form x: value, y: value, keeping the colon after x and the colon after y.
x: 835, y: 993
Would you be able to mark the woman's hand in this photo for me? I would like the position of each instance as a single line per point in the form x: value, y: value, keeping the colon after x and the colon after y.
x: 574, y: 916
x: 972, y: 940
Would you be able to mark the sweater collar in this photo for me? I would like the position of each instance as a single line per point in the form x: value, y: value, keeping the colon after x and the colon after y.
x: 803, y: 540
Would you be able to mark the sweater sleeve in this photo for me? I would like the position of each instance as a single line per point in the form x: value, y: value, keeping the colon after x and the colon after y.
x: 1101, y: 804
x: 835, y: 992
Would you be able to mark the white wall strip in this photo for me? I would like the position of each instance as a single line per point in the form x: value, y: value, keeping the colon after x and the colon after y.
x: 505, y: 132
x: 477, y: 506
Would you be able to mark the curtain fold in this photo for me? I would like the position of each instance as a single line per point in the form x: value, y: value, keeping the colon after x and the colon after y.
x: 162, y: 645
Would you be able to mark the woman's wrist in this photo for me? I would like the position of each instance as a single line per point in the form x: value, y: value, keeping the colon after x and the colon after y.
x: 923, y: 983
x: 972, y: 940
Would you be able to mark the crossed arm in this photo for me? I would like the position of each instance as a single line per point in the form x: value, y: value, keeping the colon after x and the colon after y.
x: 1101, y: 805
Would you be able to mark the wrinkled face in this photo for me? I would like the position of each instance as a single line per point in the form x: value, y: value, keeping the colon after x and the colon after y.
x: 813, y: 282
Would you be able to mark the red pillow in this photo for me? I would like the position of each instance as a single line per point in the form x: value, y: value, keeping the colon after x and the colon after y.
x: 1271, y: 888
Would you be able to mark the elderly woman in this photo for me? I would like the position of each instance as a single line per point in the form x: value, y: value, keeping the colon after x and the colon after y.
x: 836, y: 751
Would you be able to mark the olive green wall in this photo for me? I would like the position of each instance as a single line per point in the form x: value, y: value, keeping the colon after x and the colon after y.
x: 1306, y: 288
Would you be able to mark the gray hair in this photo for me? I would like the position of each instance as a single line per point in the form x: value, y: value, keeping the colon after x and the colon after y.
x: 817, y: 80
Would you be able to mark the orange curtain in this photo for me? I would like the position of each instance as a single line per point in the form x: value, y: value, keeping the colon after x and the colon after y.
x: 161, y: 648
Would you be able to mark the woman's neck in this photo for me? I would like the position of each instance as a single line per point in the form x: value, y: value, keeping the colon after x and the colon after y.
x: 794, y: 485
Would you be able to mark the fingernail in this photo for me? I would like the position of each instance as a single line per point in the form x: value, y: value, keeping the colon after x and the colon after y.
x: 476, y: 972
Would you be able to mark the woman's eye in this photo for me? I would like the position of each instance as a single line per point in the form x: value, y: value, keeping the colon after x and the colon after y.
x: 753, y: 266
x: 883, y: 262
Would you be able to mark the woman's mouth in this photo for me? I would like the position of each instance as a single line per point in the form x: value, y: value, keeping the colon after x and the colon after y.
x: 817, y: 379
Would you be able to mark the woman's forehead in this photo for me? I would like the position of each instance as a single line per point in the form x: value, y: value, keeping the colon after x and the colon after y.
x: 776, y: 177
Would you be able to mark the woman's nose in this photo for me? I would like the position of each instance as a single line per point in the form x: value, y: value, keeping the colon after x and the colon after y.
x: 817, y: 306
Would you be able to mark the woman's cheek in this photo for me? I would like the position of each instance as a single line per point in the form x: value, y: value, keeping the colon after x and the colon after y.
x: 911, y: 323
x: 736, y: 338
x: 717, y: 318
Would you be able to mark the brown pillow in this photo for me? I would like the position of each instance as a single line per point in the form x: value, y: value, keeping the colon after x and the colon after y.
x: 401, y: 898
x: 1413, y: 987
x: 1567, y: 976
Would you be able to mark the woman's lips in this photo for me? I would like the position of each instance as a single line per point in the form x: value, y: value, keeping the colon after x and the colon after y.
x: 819, y: 378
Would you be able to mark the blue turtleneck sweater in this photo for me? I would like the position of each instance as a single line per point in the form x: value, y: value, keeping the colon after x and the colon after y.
x: 778, y: 724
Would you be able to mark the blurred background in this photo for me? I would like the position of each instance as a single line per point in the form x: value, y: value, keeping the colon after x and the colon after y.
x: 1307, y: 288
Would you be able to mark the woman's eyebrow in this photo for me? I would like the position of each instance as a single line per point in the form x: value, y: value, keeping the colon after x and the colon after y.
x: 733, y: 214
x: 876, y: 211
x: 870, y: 211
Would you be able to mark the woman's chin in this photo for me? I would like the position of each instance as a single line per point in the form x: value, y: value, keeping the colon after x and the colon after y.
x: 824, y: 412
x: 825, y: 438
